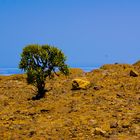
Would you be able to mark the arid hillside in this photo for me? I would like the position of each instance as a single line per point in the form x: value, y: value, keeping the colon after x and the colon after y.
x: 109, y: 109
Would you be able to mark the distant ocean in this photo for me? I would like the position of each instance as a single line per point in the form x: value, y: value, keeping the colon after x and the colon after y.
x: 10, y: 71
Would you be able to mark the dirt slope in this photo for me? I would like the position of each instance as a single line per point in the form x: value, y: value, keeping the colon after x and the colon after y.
x: 109, y: 109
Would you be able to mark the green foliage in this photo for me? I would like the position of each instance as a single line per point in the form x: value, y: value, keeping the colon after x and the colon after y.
x: 40, y: 62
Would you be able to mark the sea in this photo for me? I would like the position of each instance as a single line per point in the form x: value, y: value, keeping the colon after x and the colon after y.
x: 11, y: 71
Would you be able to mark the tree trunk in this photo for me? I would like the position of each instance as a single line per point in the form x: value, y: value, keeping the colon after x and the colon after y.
x: 40, y: 91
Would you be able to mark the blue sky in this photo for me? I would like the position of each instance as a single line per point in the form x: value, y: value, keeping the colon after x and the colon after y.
x: 89, y: 32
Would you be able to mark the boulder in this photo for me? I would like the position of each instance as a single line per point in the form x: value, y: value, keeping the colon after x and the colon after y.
x: 79, y: 83
x: 134, y: 73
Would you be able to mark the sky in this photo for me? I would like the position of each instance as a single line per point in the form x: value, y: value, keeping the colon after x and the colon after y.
x: 89, y: 32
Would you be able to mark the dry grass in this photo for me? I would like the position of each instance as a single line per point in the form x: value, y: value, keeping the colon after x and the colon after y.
x: 112, y: 104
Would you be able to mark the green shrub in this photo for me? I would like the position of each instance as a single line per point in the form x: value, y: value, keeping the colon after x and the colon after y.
x: 40, y: 62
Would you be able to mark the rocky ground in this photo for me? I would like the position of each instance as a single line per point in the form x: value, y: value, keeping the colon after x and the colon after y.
x: 108, y: 109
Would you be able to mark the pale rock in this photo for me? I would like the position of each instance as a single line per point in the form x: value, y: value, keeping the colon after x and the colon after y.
x: 79, y: 83
x: 99, y: 131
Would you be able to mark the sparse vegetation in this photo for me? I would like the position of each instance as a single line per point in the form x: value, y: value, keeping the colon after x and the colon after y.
x: 40, y: 62
x: 108, y: 110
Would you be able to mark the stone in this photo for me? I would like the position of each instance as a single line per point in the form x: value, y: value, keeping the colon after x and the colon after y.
x: 134, y: 73
x: 99, y: 131
x: 79, y: 83
x: 114, y: 125
x: 97, y: 87
x: 92, y: 122
x: 125, y: 124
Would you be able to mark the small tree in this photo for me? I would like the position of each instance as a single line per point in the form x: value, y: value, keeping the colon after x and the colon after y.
x: 40, y: 62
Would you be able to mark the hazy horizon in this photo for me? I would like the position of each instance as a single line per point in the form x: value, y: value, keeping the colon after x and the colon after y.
x: 89, y: 32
